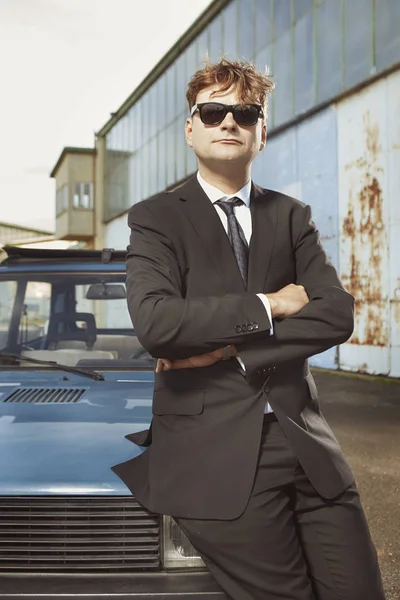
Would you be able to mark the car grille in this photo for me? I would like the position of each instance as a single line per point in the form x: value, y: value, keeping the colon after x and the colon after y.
x: 61, y: 534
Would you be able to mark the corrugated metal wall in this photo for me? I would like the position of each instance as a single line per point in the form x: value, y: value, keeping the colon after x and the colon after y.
x: 302, y: 162
x: 393, y: 97
x: 116, y: 233
x: 369, y: 142
x: 345, y: 163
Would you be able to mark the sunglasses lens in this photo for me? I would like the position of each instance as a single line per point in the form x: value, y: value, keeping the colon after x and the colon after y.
x: 212, y: 114
x: 246, y: 115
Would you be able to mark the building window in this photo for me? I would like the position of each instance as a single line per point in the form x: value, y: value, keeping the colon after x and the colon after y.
x: 263, y: 28
x: 281, y: 17
x: 358, y: 56
x: 192, y: 64
x: 83, y: 196
x: 300, y: 7
x: 387, y: 38
x: 283, y: 66
x: 215, y: 39
x: 304, y: 69
x: 245, y: 30
x: 229, y: 20
x: 329, y: 50
x: 62, y: 200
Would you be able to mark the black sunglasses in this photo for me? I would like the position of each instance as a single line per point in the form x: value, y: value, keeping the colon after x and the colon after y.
x: 213, y: 113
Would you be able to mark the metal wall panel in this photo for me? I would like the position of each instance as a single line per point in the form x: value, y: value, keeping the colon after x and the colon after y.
x: 302, y: 162
x: 317, y: 168
x: 116, y: 233
x: 276, y: 166
x: 393, y: 106
x: 363, y: 134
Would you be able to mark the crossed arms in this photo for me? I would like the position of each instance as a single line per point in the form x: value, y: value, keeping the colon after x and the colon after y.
x: 173, y: 327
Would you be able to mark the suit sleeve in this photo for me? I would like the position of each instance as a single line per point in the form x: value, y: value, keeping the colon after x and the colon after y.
x: 167, y: 324
x: 326, y: 321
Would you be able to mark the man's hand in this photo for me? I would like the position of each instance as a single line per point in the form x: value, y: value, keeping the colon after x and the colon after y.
x: 202, y: 360
x: 288, y: 301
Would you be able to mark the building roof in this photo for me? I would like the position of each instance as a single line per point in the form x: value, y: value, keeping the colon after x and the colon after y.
x: 11, y: 233
x: 70, y: 150
x: 26, y: 229
x: 183, y: 42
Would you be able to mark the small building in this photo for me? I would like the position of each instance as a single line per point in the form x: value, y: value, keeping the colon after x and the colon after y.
x: 17, y: 235
x: 74, y: 175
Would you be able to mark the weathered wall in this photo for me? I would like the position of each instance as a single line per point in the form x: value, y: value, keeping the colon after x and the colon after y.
x: 302, y: 162
x: 116, y: 233
x: 345, y: 163
x: 369, y: 142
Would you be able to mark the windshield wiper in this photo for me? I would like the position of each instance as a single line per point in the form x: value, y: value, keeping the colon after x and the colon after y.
x: 52, y: 363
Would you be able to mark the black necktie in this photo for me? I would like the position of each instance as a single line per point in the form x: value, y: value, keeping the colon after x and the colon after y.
x: 236, y: 236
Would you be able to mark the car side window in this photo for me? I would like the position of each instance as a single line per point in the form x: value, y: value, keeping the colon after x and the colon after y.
x: 8, y: 292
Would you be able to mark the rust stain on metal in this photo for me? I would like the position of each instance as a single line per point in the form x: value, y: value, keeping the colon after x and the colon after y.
x: 395, y: 310
x: 372, y: 136
x: 395, y: 303
x: 364, y: 228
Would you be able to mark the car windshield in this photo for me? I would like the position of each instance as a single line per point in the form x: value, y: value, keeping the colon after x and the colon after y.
x: 75, y: 319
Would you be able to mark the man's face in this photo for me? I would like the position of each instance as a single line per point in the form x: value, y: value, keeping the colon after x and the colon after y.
x: 227, y: 142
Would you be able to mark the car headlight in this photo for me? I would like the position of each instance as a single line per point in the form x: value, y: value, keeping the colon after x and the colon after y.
x: 178, y: 551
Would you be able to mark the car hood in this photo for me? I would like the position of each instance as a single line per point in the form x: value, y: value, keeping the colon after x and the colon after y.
x: 57, y: 441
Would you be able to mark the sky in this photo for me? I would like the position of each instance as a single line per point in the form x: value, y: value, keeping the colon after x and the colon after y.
x: 65, y: 66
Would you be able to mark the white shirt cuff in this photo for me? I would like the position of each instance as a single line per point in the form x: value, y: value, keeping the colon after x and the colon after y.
x: 267, y: 306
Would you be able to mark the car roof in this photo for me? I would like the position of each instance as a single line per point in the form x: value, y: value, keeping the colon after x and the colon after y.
x: 28, y: 256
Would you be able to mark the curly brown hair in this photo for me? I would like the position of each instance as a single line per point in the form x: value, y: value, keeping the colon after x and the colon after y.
x: 252, y: 85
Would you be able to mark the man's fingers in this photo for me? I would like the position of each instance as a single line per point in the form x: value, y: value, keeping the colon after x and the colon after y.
x: 163, y: 364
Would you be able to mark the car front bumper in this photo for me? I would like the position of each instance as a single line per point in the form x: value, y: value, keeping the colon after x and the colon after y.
x: 146, y: 586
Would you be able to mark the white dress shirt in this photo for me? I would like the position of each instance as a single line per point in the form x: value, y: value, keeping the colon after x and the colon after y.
x: 243, y: 215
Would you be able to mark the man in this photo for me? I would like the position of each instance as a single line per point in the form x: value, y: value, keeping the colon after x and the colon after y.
x: 230, y: 289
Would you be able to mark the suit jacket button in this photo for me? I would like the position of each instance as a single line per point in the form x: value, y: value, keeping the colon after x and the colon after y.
x: 238, y: 329
x: 255, y: 326
x: 244, y: 328
x: 250, y: 327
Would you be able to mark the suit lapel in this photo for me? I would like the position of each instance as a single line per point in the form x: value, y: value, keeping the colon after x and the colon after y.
x: 264, y: 218
x: 206, y: 222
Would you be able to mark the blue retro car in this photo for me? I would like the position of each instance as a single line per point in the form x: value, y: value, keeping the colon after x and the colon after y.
x: 74, y: 381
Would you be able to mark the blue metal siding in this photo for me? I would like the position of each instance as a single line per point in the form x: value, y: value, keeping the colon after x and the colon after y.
x: 317, y: 167
x: 302, y: 162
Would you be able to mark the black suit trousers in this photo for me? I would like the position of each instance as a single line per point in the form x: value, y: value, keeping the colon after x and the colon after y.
x: 290, y: 543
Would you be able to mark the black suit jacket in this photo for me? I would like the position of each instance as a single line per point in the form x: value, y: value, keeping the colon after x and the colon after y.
x: 186, y: 297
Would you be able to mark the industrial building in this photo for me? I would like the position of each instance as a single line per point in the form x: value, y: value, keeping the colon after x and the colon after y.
x: 18, y: 235
x: 333, y: 142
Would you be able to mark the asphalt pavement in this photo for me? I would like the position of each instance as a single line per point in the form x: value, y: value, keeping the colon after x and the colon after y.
x: 364, y: 413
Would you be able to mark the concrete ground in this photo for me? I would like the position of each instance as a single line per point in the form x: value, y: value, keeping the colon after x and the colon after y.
x: 364, y: 413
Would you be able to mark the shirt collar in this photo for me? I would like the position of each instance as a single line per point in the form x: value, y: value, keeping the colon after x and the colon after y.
x: 215, y: 194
